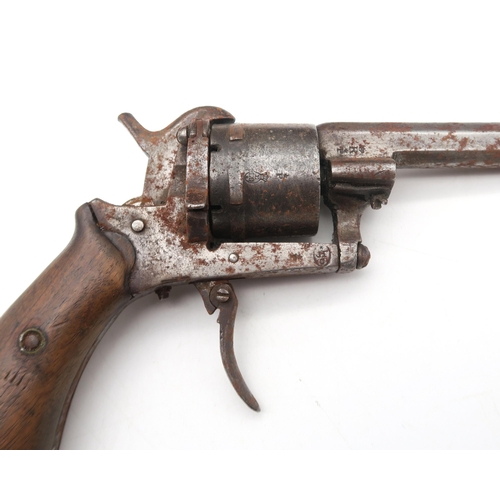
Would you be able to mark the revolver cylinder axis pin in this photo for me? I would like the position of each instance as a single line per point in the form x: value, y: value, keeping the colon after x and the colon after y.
x: 216, y: 192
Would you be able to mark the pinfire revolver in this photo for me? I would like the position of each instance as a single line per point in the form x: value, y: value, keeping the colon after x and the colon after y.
x: 218, y: 198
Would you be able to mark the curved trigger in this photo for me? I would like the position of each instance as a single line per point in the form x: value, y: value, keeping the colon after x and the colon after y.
x: 220, y: 295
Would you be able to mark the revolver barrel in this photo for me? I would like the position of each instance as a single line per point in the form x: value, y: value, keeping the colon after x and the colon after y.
x: 360, y: 162
x: 414, y: 145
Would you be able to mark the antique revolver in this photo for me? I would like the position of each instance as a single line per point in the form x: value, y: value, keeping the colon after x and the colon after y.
x: 219, y: 200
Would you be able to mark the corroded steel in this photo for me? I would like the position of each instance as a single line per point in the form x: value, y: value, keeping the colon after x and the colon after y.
x: 212, y: 185
x: 264, y: 181
x: 220, y: 295
x: 360, y: 162
x: 413, y: 145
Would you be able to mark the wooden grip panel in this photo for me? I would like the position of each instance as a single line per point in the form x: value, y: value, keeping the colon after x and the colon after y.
x: 49, y: 333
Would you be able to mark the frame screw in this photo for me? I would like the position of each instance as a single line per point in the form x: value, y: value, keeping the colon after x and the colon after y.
x: 138, y: 225
x: 233, y: 258
x: 222, y: 295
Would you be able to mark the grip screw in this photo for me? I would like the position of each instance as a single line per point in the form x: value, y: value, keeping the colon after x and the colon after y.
x: 31, y: 341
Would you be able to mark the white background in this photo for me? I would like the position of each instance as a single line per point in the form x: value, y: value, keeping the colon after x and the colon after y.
x: 402, y: 355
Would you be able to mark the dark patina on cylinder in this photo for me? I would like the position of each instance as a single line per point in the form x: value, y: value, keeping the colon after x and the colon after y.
x: 264, y: 181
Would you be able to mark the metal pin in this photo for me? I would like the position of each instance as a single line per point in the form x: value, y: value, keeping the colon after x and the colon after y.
x: 182, y: 135
x: 32, y: 341
x: 233, y: 258
x: 138, y: 225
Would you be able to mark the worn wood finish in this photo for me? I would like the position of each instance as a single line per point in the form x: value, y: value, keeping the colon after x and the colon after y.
x: 72, y: 303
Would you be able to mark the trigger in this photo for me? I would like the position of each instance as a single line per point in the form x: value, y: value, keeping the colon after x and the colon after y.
x: 220, y: 295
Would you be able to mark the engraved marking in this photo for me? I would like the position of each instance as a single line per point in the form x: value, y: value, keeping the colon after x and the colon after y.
x: 351, y: 150
x: 252, y: 177
x: 322, y: 256
x: 16, y: 378
x: 282, y: 174
x: 61, y: 322
x: 13, y: 378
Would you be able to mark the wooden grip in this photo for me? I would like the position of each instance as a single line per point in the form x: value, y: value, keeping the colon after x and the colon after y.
x: 49, y: 333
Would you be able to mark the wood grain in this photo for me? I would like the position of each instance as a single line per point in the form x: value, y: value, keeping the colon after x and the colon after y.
x: 72, y: 303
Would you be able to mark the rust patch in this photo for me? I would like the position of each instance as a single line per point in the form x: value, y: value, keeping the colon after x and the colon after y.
x: 494, y: 147
x: 450, y: 136
x: 294, y: 260
x: 488, y: 127
x: 463, y: 143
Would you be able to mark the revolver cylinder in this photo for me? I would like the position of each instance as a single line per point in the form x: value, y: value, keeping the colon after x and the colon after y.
x: 264, y: 181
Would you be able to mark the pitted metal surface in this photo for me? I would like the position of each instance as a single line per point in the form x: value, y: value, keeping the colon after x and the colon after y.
x: 360, y: 162
x: 212, y: 185
x: 165, y: 257
x: 164, y: 151
x: 264, y: 181
x: 418, y: 145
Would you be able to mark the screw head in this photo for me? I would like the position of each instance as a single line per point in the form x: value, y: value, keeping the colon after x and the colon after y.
x: 31, y: 341
x: 223, y: 295
x: 138, y: 225
x: 233, y: 258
